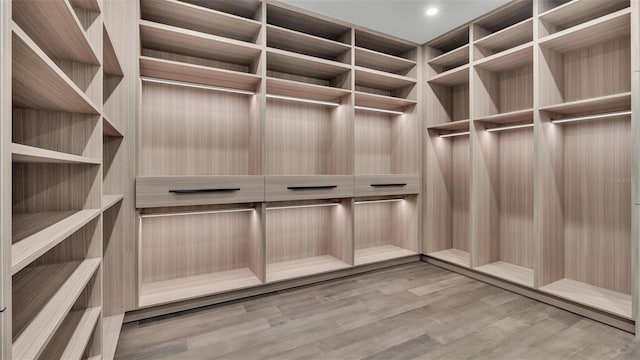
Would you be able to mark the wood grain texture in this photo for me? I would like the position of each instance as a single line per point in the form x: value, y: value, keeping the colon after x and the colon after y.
x: 599, y: 298
x: 503, y: 92
x: 364, y: 185
x: 383, y: 62
x: 5, y: 178
x: 290, y: 40
x: 277, y: 187
x: 74, y: 334
x: 514, y: 35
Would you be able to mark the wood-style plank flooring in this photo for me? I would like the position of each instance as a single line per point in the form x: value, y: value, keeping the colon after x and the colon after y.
x: 414, y: 311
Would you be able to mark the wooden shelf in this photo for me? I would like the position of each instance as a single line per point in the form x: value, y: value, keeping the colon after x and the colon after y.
x: 508, y: 59
x: 73, y: 336
x: 54, y: 26
x: 199, y: 18
x: 29, y: 154
x: 453, y: 58
x: 457, y: 76
x: 381, y: 80
x: 162, y: 292
x: 381, y: 101
x: 192, y: 43
x: 451, y: 126
x: 454, y: 256
x: 38, y: 83
x: 109, y: 128
x: 510, y: 272
x: 576, y: 10
x: 603, y: 299
x: 110, y: 200
x: 298, y: 89
x: 509, y: 37
x: 111, y: 326
x: 110, y: 63
x: 517, y: 116
x: 380, y: 253
x: 598, y: 104
x: 36, y: 233
x: 593, y: 32
x: 381, y: 61
x: 304, y: 65
x: 303, y: 267
x: 290, y: 40
x: 92, y: 5
x: 66, y: 282
x: 305, y: 22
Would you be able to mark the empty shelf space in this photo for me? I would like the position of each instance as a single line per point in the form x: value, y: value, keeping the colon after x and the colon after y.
x: 510, y: 272
x: 508, y: 59
x: 594, y: 296
x: 452, y: 126
x: 304, y: 65
x: 73, y: 336
x: 281, y: 87
x: 509, y: 117
x: 111, y: 326
x: 511, y: 36
x: 110, y: 200
x: 380, y: 253
x: 54, y: 26
x: 381, y: 80
x: 92, y: 5
x: 38, y: 83
x: 162, y: 292
x: 381, y: 61
x: 381, y: 102
x: 452, y: 77
x: 197, y: 74
x: 64, y: 282
x: 176, y: 40
x: 453, y: 58
x: 602, y: 103
x: 110, y: 61
x: 200, y: 18
x: 573, y: 11
x: 593, y: 32
x: 453, y: 256
x: 36, y: 233
x: 109, y: 128
x: 290, y: 40
x: 29, y: 154
x: 303, y: 267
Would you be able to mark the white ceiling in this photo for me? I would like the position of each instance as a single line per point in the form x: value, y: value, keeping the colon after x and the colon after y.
x: 403, y: 18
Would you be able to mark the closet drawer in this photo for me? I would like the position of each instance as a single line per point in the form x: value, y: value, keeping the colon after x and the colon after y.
x: 374, y: 185
x: 197, y: 190
x: 284, y: 188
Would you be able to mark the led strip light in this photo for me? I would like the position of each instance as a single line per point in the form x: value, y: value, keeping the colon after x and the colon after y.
x: 301, y: 206
x: 592, y: 117
x: 510, y: 127
x: 197, y: 212
x: 395, y: 112
x: 328, y: 103
x: 454, y: 134
x: 377, y: 201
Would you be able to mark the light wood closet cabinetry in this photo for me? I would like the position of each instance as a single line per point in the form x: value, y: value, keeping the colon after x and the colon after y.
x: 271, y: 140
x: 535, y: 187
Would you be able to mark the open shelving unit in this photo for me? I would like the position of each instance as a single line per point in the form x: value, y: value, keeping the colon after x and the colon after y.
x: 504, y: 29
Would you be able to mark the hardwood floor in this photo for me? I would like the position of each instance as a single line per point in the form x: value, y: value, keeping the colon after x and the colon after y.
x: 414, y: 311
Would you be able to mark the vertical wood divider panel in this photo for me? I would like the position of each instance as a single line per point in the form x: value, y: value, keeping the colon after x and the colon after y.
x: 635, y: 157
x: 5, y: 179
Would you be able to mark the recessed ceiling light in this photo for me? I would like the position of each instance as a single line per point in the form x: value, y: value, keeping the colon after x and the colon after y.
x: 432, y: 11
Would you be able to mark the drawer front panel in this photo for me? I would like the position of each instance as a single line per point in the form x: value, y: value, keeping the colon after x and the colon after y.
x: 286, y: 188
x: 380, y: 185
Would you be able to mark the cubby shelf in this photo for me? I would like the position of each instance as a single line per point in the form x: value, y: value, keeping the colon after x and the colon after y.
x: 38, y: 83
x: 451, y: 126
x: 304, y: 65
x: 508, y: 59
x: 29, y: 154
x: 176, y: 40
x: 282, y: 87
x: 592, y: 32
x: 110, y: 62
x: 161, y: 292
x: 575, y: 10
x: 111, y: 326
x: 74, y: 334
x: 66, y: 281
x: 453, y: 58
x: 453, y: 256
x: 380, y: 253
x: 199, y: 18
x: 381, y: 80
x: 616, y: 101
x: 36, y: 233
x: 303, y: 267
x: 452, y: 77
x: 517, y: 116
x: 381, y: 61
x: 54, y: 26
x: 109, y: 128
x: 600, y: 298
x: 92, y: 5
x: 508, y: 37
x: 510, y: 272
x: 381, y: 101
x: 290, y: 40
x: 110, y: 200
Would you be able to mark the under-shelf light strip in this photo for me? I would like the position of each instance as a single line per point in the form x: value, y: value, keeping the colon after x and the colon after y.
x: 197, y: 86
x: 301, y: 206
x: 592, y: 117
x: 379, y: 110
x: 198, y: 212
x: 510, y: 127
x: 290, y: 98
x: 376, y: 201
x: 462, y: 133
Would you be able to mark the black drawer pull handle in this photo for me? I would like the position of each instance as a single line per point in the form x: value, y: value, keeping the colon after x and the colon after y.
x: 389, y: 185
x: 195, y: 191
x: 319, y: 187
